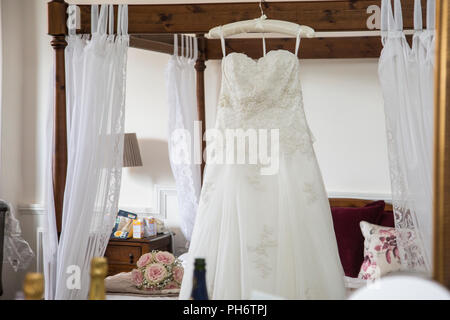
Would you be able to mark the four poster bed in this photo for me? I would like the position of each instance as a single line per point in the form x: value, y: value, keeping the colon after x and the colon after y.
x: 151, y: 27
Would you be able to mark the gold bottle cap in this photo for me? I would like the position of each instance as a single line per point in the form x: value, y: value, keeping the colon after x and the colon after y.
x: 33, y: 286
x: 99, y: 267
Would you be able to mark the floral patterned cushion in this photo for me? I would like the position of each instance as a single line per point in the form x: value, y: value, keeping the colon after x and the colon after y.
x: 381, y: 254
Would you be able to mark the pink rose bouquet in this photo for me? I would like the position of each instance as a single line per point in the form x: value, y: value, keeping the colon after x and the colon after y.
x: 158, y: 270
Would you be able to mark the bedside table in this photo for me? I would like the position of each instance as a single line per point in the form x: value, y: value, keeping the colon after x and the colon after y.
x: 122, y: 255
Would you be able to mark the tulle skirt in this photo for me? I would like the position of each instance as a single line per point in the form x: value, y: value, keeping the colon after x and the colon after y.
x: 266, y: 233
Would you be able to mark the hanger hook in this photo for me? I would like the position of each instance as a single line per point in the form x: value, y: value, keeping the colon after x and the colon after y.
x: 260, y: 7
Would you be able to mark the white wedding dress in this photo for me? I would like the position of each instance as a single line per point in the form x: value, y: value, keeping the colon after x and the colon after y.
x: 269, y: 233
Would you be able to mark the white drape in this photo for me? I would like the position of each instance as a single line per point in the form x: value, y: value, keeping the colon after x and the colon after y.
x: 50, y: 236
x: 406, y: 76
x: 183, y: 155
x: 95, y: 82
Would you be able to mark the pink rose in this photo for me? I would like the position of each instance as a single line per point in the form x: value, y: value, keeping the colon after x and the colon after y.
x: 172, y: 285
x: 155, y: 273
x: 178, y: 273
x: 137, y: 277
x: 144, y: 260
x: 164, y: 257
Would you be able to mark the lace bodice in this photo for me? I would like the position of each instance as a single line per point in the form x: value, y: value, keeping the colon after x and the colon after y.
x: 264, y: 94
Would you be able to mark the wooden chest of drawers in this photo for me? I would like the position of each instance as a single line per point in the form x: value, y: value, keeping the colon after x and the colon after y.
x: 123, y: 254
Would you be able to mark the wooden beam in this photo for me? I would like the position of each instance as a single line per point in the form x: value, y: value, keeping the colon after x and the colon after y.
x: 157, y: 43
x: 441, y: 205
x: 316, y: 48
x: 162, y: 43
x: 57, y: 29
x: 344, y: 15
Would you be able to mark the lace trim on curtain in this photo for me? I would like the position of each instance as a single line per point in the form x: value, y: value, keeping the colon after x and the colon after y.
x: 410, y: 233
x: 182, y: 113
x: 96, y: 85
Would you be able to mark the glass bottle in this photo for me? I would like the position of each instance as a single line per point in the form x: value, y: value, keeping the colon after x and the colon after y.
x: 99, y: 270
x: 33, y: 286
x: 199, y: 291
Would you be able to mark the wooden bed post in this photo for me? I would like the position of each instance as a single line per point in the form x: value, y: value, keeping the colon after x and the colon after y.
x: 57, y: 29
x: 200, y: 68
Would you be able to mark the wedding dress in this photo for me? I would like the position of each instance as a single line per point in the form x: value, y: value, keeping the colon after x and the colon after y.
x: 268, y: 233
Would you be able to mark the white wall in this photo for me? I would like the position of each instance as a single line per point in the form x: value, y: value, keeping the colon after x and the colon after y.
x: 26, y: 66
x: 344, y: 107
x: 342, y: 101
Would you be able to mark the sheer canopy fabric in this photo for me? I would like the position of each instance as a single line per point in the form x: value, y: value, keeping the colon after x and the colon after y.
x: 183, y: 155
x: 50, y: 234
x: 406, y: 76
x: 95, y: 82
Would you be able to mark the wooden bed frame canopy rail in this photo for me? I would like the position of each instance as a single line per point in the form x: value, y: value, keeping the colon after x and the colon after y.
x: 151, y: 27
x: 154, y: 22
x: 315, y: 48
x: 343, y: 15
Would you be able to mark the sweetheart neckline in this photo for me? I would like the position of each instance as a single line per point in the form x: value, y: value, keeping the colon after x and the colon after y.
x: 259, y: 59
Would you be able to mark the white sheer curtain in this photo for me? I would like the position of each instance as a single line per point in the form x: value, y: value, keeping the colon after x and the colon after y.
x: 50, y: 235
x: 406, y: 76
x: 95, y: 82
x: 180, y: 77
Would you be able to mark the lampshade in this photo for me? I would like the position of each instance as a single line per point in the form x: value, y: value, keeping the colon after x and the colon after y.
x: 131, y: 153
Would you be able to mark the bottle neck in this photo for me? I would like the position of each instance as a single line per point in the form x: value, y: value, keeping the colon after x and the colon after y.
x: 200, y: 272
x: 201, y: 268
x: 200, y: 265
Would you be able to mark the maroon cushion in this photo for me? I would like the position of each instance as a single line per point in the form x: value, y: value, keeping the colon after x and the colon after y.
x: 348, y: 233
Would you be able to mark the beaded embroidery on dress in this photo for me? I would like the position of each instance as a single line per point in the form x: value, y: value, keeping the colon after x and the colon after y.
x: 270, y: 233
